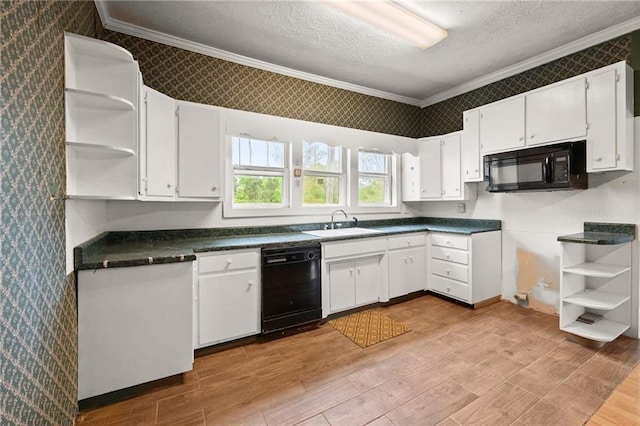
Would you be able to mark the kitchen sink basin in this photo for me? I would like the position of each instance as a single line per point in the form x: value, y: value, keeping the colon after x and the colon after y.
x: 341, y: 232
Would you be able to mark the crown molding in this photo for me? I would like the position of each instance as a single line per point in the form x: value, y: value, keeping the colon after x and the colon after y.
x: 552, y: 55
x: 159, y: 37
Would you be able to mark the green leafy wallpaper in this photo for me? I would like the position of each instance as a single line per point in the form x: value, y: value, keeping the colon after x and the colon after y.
x: 38, y: 303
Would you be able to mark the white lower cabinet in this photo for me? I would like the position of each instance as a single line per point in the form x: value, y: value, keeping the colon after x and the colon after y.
x: 354, y: 273
x: 227, y: 296
x: 407, y: 269
x: 595, y: 279
x: 353, y: 283
x: 466, y: 267
x: 134, y: 326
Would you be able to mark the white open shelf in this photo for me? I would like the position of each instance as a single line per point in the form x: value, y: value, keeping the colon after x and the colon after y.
x: 597, y: 270
x: 100, y: 197
x: 602, y: 331
x: 80, y: 45
x: 597, y: 299
x: 101, y: 101
x: 93, y: 148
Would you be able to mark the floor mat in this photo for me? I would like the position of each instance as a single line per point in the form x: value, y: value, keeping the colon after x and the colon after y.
x: 368, y: 327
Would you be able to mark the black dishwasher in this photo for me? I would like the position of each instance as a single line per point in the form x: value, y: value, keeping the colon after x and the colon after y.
x: 291, y: 292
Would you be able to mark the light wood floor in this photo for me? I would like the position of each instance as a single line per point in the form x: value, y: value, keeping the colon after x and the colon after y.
x: 497, y: 365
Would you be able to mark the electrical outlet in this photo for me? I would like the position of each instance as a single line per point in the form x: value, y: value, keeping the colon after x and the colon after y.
x: 461, y: 208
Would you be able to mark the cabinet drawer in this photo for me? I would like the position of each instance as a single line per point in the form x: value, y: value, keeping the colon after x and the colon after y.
x: 227, y: 261
x: 450, y: 270
x: 450, y: 240
x: 450, y: 288
x: 406, y: 241
x: 450, y: 255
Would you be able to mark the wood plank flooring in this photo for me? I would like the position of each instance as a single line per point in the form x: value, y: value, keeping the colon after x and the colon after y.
x: 497, y: 365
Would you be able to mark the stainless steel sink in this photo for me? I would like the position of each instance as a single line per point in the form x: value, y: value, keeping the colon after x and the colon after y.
x: 341, y: 232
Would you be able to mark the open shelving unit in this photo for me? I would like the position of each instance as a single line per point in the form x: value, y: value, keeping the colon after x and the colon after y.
x: 101, y: 119
x: 596, y: 278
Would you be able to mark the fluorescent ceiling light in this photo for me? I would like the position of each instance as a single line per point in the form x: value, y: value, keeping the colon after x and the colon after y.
x: 393, y: 18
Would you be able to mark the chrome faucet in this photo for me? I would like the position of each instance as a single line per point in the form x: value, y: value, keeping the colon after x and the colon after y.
x: 336, y: 211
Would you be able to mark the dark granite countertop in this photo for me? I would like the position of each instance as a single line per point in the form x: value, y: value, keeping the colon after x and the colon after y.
x: 602, y: 234
x: 119, y: 249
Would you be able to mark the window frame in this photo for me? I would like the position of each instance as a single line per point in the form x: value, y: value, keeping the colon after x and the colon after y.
x: 245, y: 170
x: 342, y: 176
x: 387, y: 177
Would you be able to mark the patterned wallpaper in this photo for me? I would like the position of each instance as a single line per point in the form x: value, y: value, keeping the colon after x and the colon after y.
x: 446, y: 116
x: 38, y: 323
x: 194, y: 77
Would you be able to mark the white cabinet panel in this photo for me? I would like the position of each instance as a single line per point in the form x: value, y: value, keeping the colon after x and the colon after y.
x: 160, y: 145
x: 502, y: 126
x: 470, y: 147
x: 601, y: 98
x: 451, y: 172
x: 343, y: 290
x: 430, y: 168
x: 229, y: 306
x: 556, y: 113
x: 367, y: 272
x: 134, y: 326
x: 407, y: 255
x: 199, y: 145
x: 410, y: 177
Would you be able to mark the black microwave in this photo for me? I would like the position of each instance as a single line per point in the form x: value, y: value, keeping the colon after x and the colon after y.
x: 548, y: 168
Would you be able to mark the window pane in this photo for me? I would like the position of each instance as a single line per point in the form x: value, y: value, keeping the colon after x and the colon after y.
x: 372, y: 190
x: 372, y: 162
x: 257, y: 153
x: 321, y: 190
x: 253, y: 189
x: 321, y: 157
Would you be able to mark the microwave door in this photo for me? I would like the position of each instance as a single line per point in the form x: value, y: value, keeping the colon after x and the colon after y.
x: 517, y: 173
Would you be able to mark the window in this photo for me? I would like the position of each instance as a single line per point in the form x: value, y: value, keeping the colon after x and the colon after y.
x: 374, y: 178
x: 259, y: 173
x: 322, y: 180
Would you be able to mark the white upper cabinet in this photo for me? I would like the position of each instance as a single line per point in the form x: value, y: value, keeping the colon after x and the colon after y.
x: 430, y: 168
x: 557, y: 113
x: 410, y: 177
x: 101, y: 123
x: 199, y: 147
x: 451, y: 172
x: 502, y: 126
x: 610, y: 137
x: 158, y: 150
x: 470, y: 147
x: 596, y: 106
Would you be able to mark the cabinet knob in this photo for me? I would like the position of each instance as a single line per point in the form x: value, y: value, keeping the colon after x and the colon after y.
x: 213, y: 188
x: 448, y: 289
x: 250, y: 284
x: 448, y: 272
x: 467, y: 171
x: 476, y: 170
x: 411, y: 259
x: 599, y: 159
x: 168, y: 185
x: 359, y: 271
x: 532, y: 136
x: 448, y: 256
x: 404, y: 259
x: 521, y: 138
x: 351, y: 271
x: 229, y: 262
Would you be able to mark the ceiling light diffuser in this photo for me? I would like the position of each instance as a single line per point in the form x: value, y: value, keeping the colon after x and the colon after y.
x: 394, y: 19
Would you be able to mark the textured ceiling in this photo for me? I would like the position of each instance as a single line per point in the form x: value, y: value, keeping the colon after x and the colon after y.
x: 484, y: 36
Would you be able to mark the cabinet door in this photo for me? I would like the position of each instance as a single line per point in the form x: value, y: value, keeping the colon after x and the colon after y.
x: 159, y: 163
x: 410, y: 177
x: 398, y: 261
x: 430, y: 168
x: 470, y: 146
x: 229, y: 306
x: 557, y: 113
x: 601, y: 110
x: 502, y: 126
x: 451, y: 176
x: 416, y: 271
x: 342, y: 283
x: 367, y: 280
x: 199, y: 141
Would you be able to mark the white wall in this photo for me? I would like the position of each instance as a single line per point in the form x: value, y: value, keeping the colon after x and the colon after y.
x: 533, y: 221
x: 84, y: 219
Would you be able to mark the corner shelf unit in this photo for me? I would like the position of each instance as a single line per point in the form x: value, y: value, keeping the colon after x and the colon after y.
x: 595, y: 278
x: 101, y: 119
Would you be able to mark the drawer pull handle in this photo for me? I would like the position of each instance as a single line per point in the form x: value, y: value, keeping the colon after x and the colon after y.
x: 448, y: 289
x: 448, y: 272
